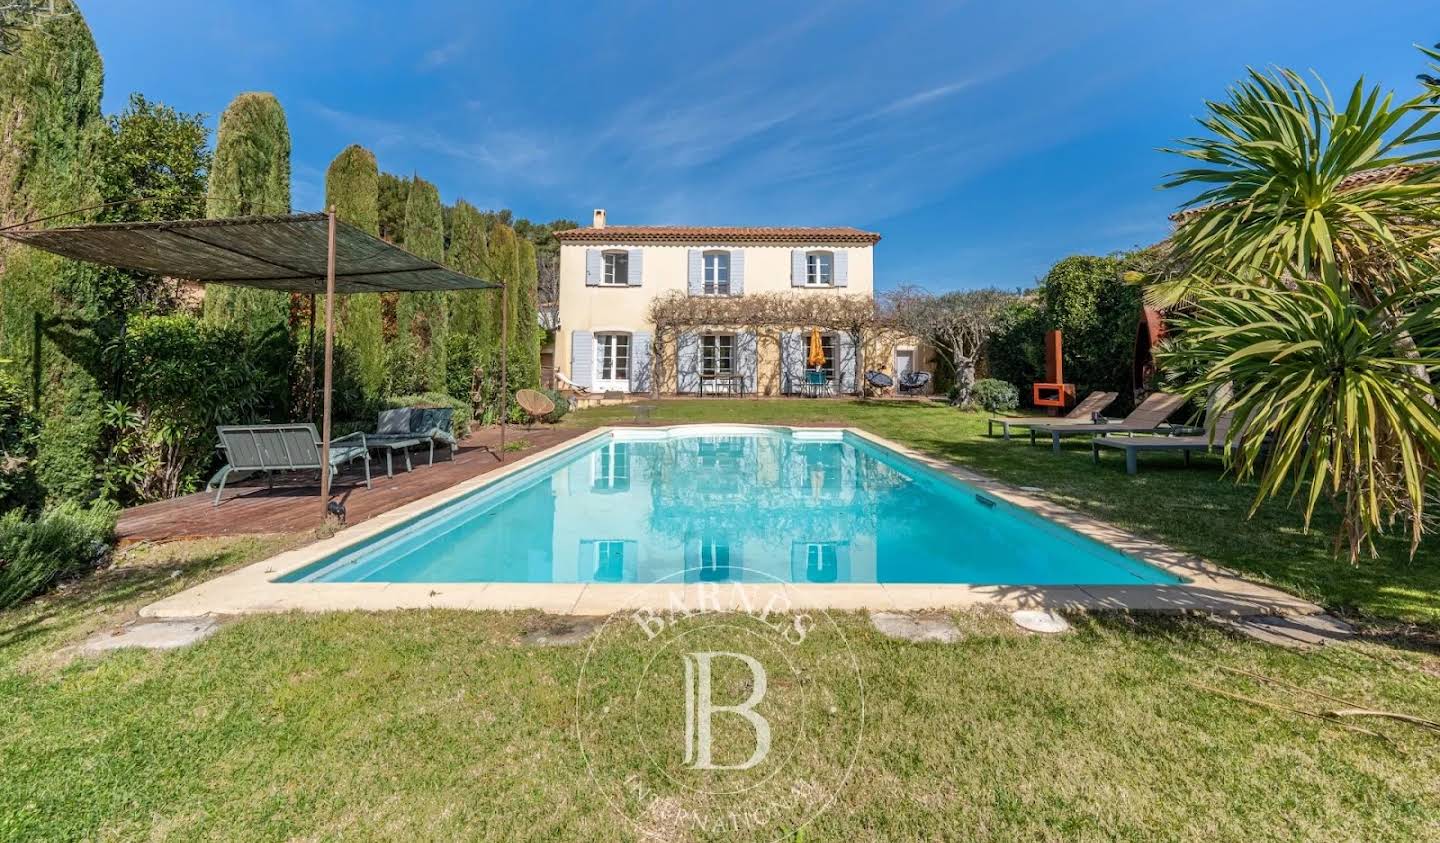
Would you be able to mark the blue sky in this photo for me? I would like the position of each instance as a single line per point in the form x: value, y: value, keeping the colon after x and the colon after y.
x: 984, y: 140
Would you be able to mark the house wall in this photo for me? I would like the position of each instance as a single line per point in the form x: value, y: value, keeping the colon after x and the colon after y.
x: 600, y: 309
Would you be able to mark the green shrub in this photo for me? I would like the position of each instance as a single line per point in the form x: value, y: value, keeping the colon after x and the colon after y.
x: 18, y: 427
x: 1016, y: 352
x: 459, y: 422
x: 1087, y: 299
x: 64, y: 541
x: 995, y: 395
x: 562, y: 406
x: 184, y: 377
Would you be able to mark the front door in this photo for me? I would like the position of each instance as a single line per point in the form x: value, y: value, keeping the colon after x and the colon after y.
x: 904, y: 362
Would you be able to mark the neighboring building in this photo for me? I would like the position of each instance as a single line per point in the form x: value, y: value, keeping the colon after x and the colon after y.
x: 610, y: 274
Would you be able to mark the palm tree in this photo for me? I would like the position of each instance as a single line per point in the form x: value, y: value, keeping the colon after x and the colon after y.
x: 1295, y: 188
x: 1307, y: 268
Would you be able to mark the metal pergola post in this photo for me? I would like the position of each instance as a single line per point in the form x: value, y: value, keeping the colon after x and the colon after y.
x: 329, y: 362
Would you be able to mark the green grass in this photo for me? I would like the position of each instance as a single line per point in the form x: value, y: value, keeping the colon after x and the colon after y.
x: 1196, y: 509
x: 444, y: 725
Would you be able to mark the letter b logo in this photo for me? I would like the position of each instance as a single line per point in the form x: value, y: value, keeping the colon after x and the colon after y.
x: 700, y: 708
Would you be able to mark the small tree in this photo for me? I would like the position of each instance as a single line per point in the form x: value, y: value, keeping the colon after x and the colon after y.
x: 957, y: 324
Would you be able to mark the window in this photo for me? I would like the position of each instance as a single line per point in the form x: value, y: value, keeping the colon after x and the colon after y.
x: 612, y: 357
x: 717, y: 274
x: 821, y: 562
x: 714, y: 560
x: 819, y: 269
x: 717, y: 354
x: 617, y: 269
x: 612, y: 468
x: 609, y: 561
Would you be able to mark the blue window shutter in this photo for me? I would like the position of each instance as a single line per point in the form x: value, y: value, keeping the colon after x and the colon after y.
x: 845, y: 366
x: 582, y: 358
x: 695, y: 277
x: 640, y: 361
x: 637, y: 267
x: 687, y: 367
x: 594, y: 267
x: 797, y: 267
x: 842, y: 269
x: 737, y: 272
x: 748, y: 360
x: 792, y: 362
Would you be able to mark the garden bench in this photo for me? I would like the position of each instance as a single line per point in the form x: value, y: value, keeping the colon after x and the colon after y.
x: 282, y: 447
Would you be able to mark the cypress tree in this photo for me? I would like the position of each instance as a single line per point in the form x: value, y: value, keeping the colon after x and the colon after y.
x: 50, y: 89
x: 394, y: 193
x: 525, y: 321
x: 250, y: 176
x: 352, y: 186
x: 504, y: 267
x: 469, y: 309
x: 421, y: 318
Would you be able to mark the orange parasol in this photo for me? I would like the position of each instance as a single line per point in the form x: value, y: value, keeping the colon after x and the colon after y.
x: 817, y: 351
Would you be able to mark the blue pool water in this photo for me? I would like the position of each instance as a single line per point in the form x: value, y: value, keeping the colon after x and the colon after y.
x: 746, y: 504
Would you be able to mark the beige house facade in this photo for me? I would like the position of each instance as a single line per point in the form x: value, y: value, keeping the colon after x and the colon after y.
x: 610, y: 275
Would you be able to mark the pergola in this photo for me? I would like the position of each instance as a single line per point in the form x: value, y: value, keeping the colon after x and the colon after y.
x: 295, y: 253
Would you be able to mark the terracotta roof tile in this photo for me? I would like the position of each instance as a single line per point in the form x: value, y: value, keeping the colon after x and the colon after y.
x: 715, y: 234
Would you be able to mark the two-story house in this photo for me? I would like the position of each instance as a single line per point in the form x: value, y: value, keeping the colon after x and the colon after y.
x: 609, y: 276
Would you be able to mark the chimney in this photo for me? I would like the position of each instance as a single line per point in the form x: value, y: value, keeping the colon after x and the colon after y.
x: 599, y: 218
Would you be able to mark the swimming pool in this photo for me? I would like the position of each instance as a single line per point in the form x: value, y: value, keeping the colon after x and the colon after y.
x: 740, y: 504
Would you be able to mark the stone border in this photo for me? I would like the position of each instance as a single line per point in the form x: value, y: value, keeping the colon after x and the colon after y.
x: 1208, y: 587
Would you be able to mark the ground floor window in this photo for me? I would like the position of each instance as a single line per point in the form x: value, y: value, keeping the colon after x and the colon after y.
x: 717, y: 354
x: 612, y: 357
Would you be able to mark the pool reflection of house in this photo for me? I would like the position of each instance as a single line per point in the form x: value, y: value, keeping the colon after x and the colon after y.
x: 719, y: 517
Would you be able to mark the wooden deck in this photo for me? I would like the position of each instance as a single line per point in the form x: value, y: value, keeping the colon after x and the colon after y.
x: 294, y: 504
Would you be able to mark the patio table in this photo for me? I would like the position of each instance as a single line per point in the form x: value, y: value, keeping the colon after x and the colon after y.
x: 390, y: 446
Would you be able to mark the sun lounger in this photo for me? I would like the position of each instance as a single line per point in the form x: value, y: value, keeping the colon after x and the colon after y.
x: 1185, y: 444
x: 426, y: 424
x: 1082, y: 413
x: 1151, y: 413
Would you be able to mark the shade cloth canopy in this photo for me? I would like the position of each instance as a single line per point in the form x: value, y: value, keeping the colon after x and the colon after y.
x: 286, y: 253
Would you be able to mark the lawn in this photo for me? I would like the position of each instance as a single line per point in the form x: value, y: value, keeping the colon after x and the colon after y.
x: 435, y: 725
x: 1196, y: 509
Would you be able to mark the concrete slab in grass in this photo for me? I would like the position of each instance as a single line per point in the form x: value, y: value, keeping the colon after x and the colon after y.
x: 150, y: 635
x: 1298, y: 632
x: 919, y: 627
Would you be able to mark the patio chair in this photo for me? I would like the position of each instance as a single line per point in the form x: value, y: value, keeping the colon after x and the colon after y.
x: 282, y: 447
x: 912, y: 382
x: 816, y: 383
x: 879, y: 380
x: 537, y: 405
x: 1151, y: 413
x: 1082, y: 413
x: 1185, y: 444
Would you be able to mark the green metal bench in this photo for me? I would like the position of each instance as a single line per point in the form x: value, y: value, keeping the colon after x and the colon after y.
x: 282, y: 447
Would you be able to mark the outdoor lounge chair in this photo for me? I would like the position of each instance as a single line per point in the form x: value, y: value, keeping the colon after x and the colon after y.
x: 913, y: 382
x: 1133, y: 445
x: 572, y: 385
x: 879, y: 380
x: 1151, y: 413
x: 1082, y: 413
x: 282, y: 447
